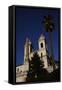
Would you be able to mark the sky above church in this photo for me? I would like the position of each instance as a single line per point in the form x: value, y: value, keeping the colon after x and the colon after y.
x: 29, y: 24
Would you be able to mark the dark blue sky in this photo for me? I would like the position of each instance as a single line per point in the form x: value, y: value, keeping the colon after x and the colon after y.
x: 29, y: 24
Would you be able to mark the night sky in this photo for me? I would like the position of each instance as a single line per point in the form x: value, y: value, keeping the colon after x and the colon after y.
x: 29, y: 24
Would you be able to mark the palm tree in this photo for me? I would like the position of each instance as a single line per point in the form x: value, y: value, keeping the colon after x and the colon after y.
x: 49, y: 27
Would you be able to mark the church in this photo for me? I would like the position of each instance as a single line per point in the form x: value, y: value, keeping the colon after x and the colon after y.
x: 22, y: 70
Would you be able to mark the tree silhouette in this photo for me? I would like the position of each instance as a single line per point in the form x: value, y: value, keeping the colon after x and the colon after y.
x: 36, y: 70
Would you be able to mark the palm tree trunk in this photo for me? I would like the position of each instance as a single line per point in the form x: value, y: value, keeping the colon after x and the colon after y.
x: 51, y: 49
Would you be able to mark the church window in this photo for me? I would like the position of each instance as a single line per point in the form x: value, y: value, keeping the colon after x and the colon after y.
x: 31, y: 64
x: 41, y: 55
x: 21, y: 71
x: 30, y: 68
x: 41, y: 45
x: 17, y: 69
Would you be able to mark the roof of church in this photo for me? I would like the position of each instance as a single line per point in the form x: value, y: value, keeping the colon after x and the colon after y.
x: 41, y: 37
x: 27, y: 41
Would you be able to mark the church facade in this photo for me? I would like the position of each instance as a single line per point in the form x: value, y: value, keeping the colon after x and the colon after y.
x: 22, y: 70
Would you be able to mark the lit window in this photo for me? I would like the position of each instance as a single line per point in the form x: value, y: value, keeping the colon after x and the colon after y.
x: 31, y: 64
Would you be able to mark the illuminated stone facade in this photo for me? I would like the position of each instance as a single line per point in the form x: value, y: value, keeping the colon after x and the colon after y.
x: 21, y: 71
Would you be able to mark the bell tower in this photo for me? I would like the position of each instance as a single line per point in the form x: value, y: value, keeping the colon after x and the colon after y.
x: 27, y: 50
x: 43, y: 50
x: 42, y: 44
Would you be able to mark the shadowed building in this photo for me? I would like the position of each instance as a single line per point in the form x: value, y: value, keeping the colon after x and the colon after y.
x: 22, y: 70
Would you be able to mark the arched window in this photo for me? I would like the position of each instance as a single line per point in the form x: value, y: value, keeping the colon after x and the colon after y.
x: 17, y: 69
x: 41, y: 45
x: 41, y: 55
